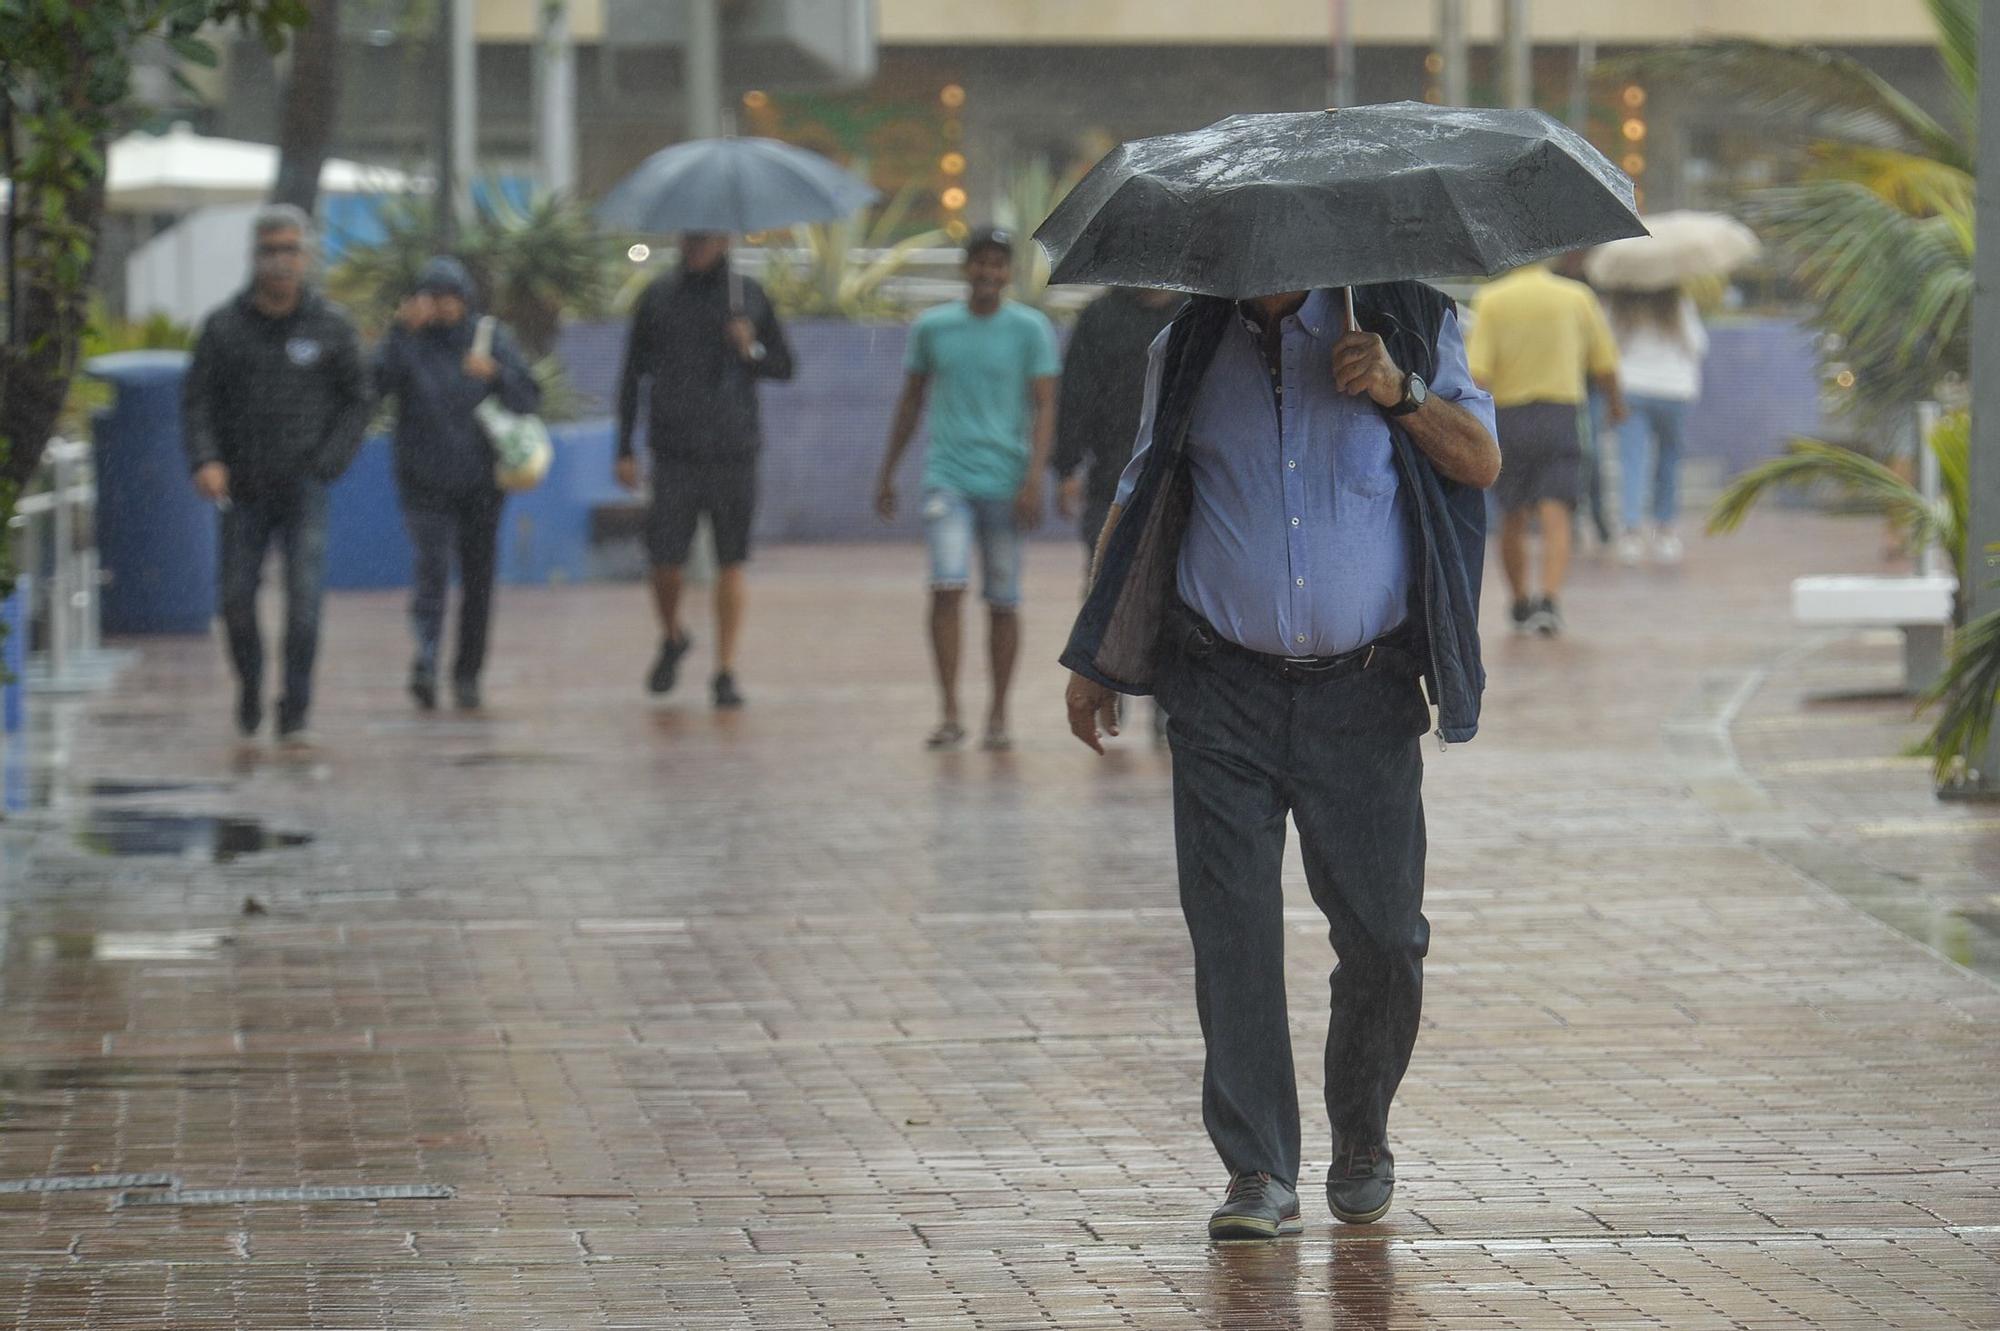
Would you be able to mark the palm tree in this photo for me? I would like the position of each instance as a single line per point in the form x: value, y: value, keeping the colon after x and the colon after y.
x: 1879, y: 230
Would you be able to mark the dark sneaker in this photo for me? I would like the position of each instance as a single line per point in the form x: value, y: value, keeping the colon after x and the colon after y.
x: 249, y: 715
x: 1258, y: 1207
x: 465, y: 695
x: 667, y: 668
x: 1547, y: 619
x: 424, y: 688
x: 727, y: 696
x: 1360, y: 1183
x: 1522, y: 617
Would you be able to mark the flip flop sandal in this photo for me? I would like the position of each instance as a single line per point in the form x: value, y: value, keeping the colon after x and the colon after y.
x: 947, y: 736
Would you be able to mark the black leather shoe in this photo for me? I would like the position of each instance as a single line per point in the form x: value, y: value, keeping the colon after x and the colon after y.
x: 1258, y: 1207
x: 1360, y: 1183
x: 465, y: 695
x: 667, y: 668
x: 424, y: 688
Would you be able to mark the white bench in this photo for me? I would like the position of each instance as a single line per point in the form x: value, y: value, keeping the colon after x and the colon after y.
x: 1920, y: 606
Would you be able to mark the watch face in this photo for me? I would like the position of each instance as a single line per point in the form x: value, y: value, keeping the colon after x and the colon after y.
x: 1417, y: 390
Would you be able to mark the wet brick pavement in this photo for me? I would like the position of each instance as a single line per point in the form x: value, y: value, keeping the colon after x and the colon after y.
x: 777, y: 1021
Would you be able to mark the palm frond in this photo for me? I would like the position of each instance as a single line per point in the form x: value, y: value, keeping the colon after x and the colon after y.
x: 1858, y: 476
x: 1896, y: 288
x: 1826, y: 93
x: 1918, y: 185
x: 1958, y: 46
x: 1965, y: 695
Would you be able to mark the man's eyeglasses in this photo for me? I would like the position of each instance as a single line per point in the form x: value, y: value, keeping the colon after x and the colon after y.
x: 279, y: 250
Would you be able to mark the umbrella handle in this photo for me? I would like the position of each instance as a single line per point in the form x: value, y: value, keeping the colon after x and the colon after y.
x: 1353, y: 324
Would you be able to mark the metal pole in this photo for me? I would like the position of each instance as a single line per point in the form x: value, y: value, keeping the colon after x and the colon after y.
x: 1984, y: 527
x: 704, y: 70
x: 464, y: 103
x: 1579, y: 82
x: 444, y: 185
x: 1451, y: 50
x: 1930, y: 559
x: 555, y: 100
x: 61, y: 591
x: 1515, y: 88
x: 1339, y: 55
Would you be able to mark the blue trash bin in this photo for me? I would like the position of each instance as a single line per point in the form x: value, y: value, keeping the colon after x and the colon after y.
x: 156, y: 538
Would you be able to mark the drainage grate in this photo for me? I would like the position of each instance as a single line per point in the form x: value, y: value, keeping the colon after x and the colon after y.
x: 235, y: 1196
x: 87, y: 1182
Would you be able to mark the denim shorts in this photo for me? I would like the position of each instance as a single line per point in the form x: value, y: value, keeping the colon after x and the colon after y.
x: 953, y: 523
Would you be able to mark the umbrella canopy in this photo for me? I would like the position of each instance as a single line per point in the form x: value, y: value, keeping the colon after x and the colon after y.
x: 1258, y: 204
x: 181, y: 170
x: 733, y: 186
x: 1683, y: 246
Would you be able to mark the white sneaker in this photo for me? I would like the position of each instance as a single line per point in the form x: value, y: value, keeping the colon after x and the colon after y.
x: 1667, y: 548
x: 1630, y: 549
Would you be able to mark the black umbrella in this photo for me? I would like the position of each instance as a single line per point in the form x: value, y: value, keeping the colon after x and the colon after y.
x: 1258, y: 204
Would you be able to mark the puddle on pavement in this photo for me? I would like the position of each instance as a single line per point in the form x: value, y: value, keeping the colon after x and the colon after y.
x: 118, y: 788
x: 510, y: 758
x: 217, y: 839
x: 131, y: 945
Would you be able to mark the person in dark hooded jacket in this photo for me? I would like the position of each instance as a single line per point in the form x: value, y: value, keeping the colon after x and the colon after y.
x: 444, y: 464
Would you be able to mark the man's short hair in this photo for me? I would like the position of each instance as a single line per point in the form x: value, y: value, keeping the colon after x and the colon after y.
x: 281, y: 217
x: 990, y: 238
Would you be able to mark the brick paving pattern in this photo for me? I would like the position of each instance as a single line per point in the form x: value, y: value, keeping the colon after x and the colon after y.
x: 776, y: 1020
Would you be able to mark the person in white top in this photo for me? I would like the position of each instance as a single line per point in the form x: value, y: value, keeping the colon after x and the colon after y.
x: 1660, y: 347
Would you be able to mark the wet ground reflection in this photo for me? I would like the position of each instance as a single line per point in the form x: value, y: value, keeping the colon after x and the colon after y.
x: 1268, y: 1285
x: 188, y: 836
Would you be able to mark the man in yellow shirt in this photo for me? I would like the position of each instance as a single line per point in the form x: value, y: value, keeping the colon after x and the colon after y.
x: 1537, y: 343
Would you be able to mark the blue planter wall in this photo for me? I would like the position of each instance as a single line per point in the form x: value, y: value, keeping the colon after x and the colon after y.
x: 544, y: 537
x: 824, y: 430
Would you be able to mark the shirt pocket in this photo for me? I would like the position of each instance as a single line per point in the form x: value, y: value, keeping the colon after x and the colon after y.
x: 1364, y: 456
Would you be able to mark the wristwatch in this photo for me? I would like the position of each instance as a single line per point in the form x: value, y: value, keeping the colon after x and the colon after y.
x: 1415, y: 393
x: 757, y: 352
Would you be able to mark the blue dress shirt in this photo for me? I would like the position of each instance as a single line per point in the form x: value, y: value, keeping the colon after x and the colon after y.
x: 1297, y: 544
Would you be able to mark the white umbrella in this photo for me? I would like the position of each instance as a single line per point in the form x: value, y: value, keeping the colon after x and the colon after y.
x: 181, y: 170
x: 1683, y: 246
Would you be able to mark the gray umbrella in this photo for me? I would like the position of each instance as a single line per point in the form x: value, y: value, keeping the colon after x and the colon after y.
x: 733, y: 186
x: 1258, y: 204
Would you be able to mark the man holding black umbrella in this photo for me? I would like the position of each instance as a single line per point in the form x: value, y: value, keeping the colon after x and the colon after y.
x: 702, y: 338
x: 1296, y: 541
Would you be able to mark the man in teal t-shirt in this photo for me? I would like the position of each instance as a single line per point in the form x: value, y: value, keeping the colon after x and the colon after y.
x: 988, y: 367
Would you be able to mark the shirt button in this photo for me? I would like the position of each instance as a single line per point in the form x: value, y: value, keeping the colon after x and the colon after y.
x: 1300, y: 638
x: 1302, y: 582
x: 1292, y: 463
x: 1295, y: 522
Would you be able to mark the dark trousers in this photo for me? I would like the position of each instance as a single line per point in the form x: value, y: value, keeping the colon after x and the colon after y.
x: 467, y: 530
x: 294, y: 519
x: 1344, y: 758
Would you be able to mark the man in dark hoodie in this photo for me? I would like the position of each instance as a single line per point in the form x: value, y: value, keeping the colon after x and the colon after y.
x: 701, y: 340
x: 274, y: 408
x: 444, y: 464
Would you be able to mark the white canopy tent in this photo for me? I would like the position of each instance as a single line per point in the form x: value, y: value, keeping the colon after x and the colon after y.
x: 211, y: 186
x: 181, y: 170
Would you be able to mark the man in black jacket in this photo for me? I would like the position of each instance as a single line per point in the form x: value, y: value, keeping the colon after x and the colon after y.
x: 701, y: 338
x: 1098, y: 404
x: 444, y: 464
x: 1102, y: 394
x: 274, y: 409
